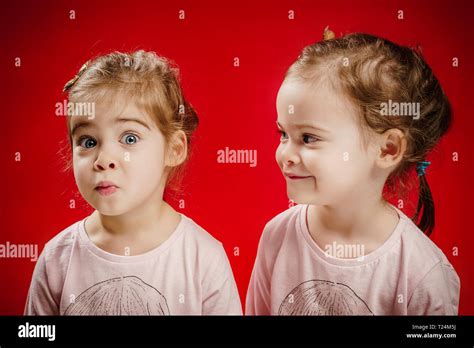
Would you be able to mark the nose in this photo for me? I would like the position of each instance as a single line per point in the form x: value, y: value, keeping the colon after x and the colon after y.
x: 104, y: 162
x: 288, y: 155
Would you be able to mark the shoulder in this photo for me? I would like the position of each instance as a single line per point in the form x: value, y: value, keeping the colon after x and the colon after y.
x: 285, y: 222
x: 206, y: 254
x: 424, y: 257
x: 278, y: 229
x: 434, y: 285
x: 198, y: 239
x: 58, y: 249
x: 286, y: 218
x: 51, y: 267
x: 420, y: 247
x: 56, y: 255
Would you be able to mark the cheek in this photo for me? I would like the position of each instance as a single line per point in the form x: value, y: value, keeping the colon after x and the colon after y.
x: 330, y: 164
x: 148, y: 161
x: 147, y: 166
x: 278, y: 154
x: 83, y: 175
x: 348, y: 165
x: 80, y: 168
x: 317, y: 159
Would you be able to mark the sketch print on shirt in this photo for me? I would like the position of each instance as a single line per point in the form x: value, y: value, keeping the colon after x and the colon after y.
x: 119, y: 296
x: 322, y: 297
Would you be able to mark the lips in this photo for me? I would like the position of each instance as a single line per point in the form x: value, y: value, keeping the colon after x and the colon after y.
x: 106, y: 188
x: 293, y: 176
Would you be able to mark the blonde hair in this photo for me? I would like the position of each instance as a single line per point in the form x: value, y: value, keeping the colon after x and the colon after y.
x: 150, y: 80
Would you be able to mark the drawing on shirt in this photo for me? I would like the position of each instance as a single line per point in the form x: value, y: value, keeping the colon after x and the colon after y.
x: 322, y: 297
x: 119, y: 296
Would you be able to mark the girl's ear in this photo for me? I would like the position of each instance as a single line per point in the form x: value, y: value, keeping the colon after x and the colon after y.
x: 177, y: 149
x: 393, y: 145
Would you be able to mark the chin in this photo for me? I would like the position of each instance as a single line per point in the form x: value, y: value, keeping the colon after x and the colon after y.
x: 110, y: 211
x: 306, y: 197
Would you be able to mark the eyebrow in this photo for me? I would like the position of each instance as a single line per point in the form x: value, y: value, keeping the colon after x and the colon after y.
x: 119, y: 120
x: 137, y: 120
x: 305, y: 125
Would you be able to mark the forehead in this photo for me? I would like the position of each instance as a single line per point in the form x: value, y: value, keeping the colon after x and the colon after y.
x: 301, y: 102
x: 111, y: 110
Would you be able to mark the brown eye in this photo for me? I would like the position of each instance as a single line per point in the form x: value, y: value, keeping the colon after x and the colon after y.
x: 309, y: 139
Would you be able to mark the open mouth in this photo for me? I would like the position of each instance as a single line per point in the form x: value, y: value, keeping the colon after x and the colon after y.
x: 106, y: 188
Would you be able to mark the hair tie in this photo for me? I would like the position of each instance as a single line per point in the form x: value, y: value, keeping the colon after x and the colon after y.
x: 72, y: 81
x: 421, y: 167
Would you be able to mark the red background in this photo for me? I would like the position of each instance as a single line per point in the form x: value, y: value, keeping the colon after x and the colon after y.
x: 236, y: 106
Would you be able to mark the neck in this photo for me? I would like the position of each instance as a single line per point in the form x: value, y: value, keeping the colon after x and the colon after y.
x: 348, y: 220
x: 355, y: 217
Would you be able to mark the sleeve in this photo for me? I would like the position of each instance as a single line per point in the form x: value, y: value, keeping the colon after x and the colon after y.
x: 221, y: 296
x: 41, y: 299
x: 437, y: 293
x: 258, y: 293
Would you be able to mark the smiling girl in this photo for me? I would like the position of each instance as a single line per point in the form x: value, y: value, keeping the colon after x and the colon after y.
x: 344, y: 250
x: 134, y: 255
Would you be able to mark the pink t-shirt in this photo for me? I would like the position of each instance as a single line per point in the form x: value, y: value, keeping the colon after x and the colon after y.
x: 407, y: 275
x: 189, y: 273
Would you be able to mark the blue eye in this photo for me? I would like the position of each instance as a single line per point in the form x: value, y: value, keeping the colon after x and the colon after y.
x: 129, y: 139
x: 87, y: 142
x: 308, y: 139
